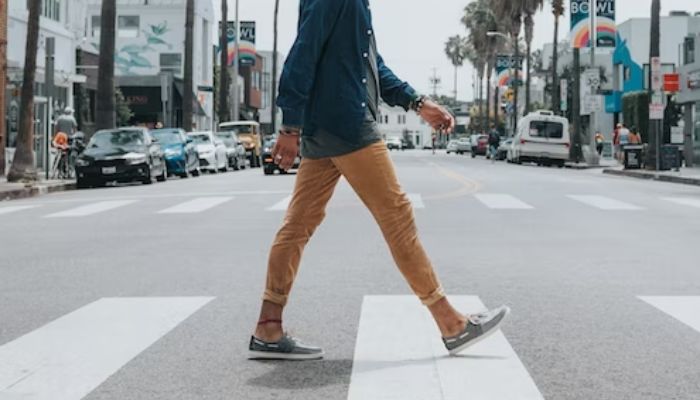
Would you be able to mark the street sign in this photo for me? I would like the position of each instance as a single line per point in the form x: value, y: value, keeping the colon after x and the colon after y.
x: 657, y: 77
x: 677, y: 136
x: 591, y: 102
x: 656, y: 111
x: 672, y: 83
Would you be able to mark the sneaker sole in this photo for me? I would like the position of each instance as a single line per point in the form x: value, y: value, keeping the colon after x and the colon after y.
x: 266, y: 355
x: 471, y: 343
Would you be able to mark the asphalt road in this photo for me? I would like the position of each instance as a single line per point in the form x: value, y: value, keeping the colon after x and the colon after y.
x: 570, y: 251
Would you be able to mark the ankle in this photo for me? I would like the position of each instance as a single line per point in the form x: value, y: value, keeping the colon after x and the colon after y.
x: 269, y: 332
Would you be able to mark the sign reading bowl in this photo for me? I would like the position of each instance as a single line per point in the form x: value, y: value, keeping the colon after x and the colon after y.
x: 246, y: 43
x: 505, y: 64
x: 606, y: 27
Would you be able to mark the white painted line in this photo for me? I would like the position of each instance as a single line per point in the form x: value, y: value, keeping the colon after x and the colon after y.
x: 502, y: 201
x: 13, y: 209
x: 416, y: 200
x: 684, y: 201
x: 281, y: 205
x: 92, y: 209
x: 399, y: 356
x: 196, y: 205
x: 683, y: 308
x: 69, y: 357
x: 605, y: 203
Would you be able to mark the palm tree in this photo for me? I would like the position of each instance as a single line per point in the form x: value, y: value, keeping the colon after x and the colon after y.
x: 188, y: 95
x: 23, y: 163
x: 478, y: 19
x: 530, y: 8
x: 455, y: 51
x: 273, y: 104
x: 106, y: 117
x: 558, y: 11
x: 224, y: 112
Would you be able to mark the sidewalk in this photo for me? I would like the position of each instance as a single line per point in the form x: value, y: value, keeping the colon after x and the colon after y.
x: 604, y: 163
x: 687, y: 176
x: 13, y: 191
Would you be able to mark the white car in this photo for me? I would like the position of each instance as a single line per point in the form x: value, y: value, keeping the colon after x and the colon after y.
x: 542, y: 138
x: 394, y: 143
x: 211, y: 150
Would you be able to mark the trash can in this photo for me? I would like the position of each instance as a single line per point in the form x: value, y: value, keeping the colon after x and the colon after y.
x: 633, y: 156
x: 670, y: 157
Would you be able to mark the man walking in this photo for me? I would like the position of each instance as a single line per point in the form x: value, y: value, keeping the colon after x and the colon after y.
x: 329, y: 95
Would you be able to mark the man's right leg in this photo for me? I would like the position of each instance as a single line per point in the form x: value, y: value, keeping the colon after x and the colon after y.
x: 315, y: 183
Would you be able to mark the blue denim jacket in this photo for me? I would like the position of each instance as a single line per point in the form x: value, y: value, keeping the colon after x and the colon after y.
x: 323, y: 84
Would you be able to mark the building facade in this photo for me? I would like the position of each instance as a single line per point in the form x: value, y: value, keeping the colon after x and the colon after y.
x: 64, y: 21
x: 150, y: 58
x: 395, y: 122
x: 267, y: 75
x: 689, y: 95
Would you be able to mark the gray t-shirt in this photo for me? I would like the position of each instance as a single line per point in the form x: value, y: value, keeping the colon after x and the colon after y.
x: 66, y: 124
x: 325, y: 144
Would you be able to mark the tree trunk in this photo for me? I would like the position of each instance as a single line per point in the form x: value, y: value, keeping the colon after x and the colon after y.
x: 273, y: 104
x: 188, y: 95
x: 106, y: 117
x: 516, y: 84
x: 556, y: 90
x: 224, y: 84
x: 481, y: 99
x: 528, y: 78
x: 23, y: 164
x: 488, y: 96
x: 654, y: 51
x: 3, y: 75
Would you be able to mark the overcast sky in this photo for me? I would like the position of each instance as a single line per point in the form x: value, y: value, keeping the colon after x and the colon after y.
x: 411, y: 33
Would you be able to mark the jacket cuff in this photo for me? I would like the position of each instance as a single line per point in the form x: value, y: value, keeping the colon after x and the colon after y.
x: 408, y: 95
x: 292, y: 118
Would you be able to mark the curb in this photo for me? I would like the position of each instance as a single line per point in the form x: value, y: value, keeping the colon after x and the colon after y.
x: 654, y: 177
x: 34, y: 191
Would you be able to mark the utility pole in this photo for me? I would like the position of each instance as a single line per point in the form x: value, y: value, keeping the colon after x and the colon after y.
x: 655, y: 87
x: 576, y: 154
x: 593, y: 155
x: 435, y: 82
x: 273, y: 104
x: 236, y: 45
x: 3, y: 84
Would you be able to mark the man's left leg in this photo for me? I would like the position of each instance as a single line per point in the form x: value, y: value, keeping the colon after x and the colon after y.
x: 371, y: 173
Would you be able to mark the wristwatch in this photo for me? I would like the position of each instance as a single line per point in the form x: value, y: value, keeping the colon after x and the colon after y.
x: 290, y: 131
x: 418, y: 103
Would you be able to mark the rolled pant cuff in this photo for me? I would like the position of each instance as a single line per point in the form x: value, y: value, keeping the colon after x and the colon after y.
x: 275, y: 298
x: 434, y: 297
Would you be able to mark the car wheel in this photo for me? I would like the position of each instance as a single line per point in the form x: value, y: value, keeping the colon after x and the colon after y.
x: 83, y: 183
x: 148, y: 179
x: 163, y: 177
x: 269, y: 170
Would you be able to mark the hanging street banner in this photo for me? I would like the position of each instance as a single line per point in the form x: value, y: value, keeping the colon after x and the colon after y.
x: 505, y: 65
x: 606, y: 26
x: 246, y: 44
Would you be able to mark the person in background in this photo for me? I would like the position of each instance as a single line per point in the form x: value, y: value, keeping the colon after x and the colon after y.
x: 623, y: 139
x: 634, y: 137
x: 66, y: 123
x: 494, y: 142
x: 599, y: 142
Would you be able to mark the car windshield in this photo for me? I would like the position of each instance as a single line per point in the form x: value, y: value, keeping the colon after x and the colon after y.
x: 201, y: 139
x: 547, y: 129
x: 227, y: 139
x: 118, y: 138
x: 167, y: 136
x: 237, y: 128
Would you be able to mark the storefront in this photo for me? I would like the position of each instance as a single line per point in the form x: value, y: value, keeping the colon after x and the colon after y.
x: 689, y: 95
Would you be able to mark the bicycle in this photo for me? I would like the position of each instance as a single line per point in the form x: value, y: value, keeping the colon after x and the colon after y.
x: 61, y: 168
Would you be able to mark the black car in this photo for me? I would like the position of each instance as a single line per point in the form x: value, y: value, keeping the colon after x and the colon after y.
x: 121, y: 155
x: 269, y: 166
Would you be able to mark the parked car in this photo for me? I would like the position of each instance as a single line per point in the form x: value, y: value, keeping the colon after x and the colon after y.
x: 479, y: 145
x: 407, y: 144
x: 269, y: 166
x: 211, y: 151
x: 250, y: 135
x: 121, y: 155
x: 180, y: 153
x: 235, y: 152
x: 542, y: 138
x: 452, y: 147
x: 503, y: 149
x: 464, y: 146
x: 394, y: 143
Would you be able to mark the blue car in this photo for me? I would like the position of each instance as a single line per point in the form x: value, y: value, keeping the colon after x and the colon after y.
x: 180, y: 154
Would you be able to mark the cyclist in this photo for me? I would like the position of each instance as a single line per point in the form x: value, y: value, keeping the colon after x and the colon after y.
x: 494, y: 142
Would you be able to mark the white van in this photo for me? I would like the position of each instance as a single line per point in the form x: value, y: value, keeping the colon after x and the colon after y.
x: 542, y: 138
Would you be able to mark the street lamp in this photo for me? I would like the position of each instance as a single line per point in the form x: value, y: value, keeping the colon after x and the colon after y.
x: 501, y: 35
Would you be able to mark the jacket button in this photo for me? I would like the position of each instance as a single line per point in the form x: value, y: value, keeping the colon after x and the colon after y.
x: 364, y: 105
x: 365, y: 55
x: 369, y: 32
x: 364, y: 80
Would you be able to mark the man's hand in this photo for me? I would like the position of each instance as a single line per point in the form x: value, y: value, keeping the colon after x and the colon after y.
x: 437, y: 116
x: 286, y: 150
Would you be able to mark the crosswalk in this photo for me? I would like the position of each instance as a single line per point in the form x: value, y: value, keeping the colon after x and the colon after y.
x: 490, y: 201
x: 398, y: 353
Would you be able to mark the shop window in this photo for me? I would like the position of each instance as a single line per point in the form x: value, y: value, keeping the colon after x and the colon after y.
x: 171, y: 62
x: 128, y: 26
x: 96, y: 23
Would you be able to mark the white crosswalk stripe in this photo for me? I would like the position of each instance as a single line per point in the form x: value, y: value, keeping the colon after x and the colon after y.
x: 604, y: 203
x: 196, y: 205
x: 399, y: 355
x: 69, y: 357
x: 685, y: 309
x: 281, y: 205
x: 497, y: 201
x: 92, y: 209
x: 684, y: 201
x: 14, y: 209
x: 417, y: 200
